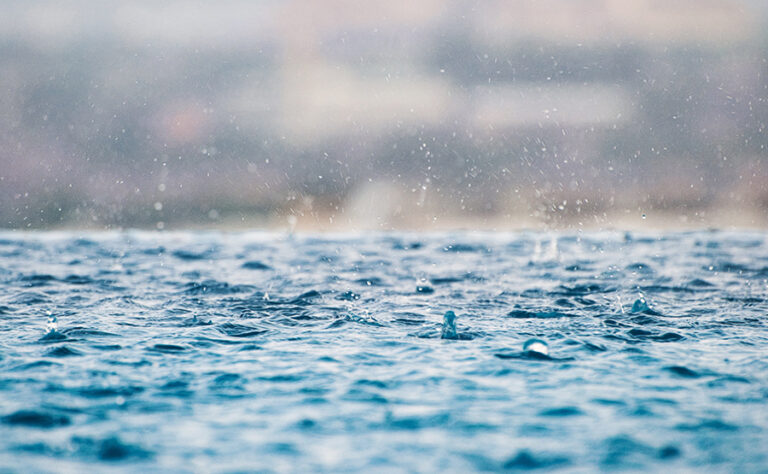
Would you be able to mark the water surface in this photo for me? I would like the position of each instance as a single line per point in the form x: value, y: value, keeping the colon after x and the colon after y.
x: 254, y: 351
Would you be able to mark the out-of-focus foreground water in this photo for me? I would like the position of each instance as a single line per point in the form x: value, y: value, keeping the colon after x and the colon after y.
x: 253, y: 351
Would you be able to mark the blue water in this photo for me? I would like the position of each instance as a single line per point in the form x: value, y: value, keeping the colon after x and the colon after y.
x: 253, y: 351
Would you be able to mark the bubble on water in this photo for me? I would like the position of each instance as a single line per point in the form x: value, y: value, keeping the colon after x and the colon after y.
x: 538, y: 346
x: 449, y: 326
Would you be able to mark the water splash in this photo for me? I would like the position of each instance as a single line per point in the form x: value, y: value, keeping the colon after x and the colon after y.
x: 536, y: 251
x: 621, y: 305
x: 551, y: 254
x: 640, y: 305
x: 52, y: 330
x: 449, y: 326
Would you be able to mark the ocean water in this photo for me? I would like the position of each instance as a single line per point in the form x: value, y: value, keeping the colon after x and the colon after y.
x: 232, y: 352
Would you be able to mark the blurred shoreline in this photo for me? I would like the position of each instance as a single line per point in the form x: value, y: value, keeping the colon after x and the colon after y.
x: 371, y: 115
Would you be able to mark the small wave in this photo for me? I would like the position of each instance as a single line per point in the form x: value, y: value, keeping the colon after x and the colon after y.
x: 108, y: 392
x: 30, y: 298
x: 35, y: 419
x: 214, y: 287
x: 37, y: 279
x: 168, y: 348
x: 526, y: 460
x: 53, y: 336
x: 80, y: 331
x: 561, y: 412
x: 711, y: 425
x: 189, y: 255
x: 682, y: 371
x: 308, y: 297
x: 524, y: 314
x: 255, y: 265
x: 240, y: 330
x: 62, y: 351
x: 38, y: 364
x: 109, y: 449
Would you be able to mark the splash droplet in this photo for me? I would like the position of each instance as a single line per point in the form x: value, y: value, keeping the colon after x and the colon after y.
x: 53, y: 323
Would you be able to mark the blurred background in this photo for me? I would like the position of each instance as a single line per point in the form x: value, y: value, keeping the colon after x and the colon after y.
x: 343, y: 115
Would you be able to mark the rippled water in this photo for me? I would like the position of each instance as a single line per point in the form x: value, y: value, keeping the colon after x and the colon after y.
x: 216, y: 351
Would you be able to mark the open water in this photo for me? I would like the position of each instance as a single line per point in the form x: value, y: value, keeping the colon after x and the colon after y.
x: 206, y: 351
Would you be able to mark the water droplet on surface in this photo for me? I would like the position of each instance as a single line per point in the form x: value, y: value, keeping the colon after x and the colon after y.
x: 538, y: 346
